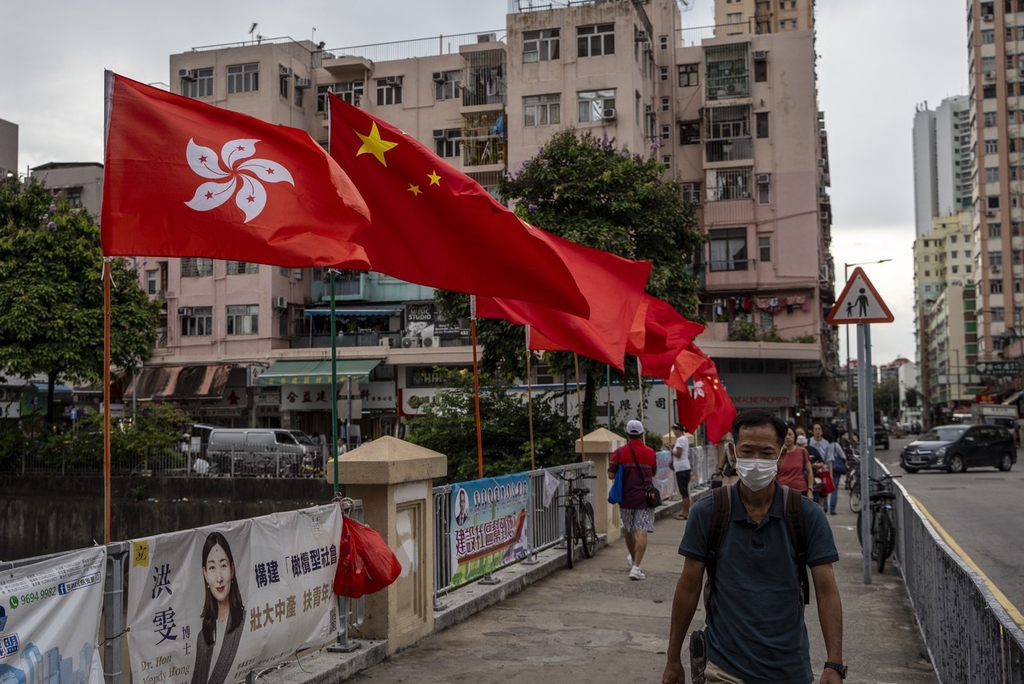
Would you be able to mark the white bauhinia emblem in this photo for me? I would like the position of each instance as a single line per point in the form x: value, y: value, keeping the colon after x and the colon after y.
x: 698, y: 389
x: 242, y: 179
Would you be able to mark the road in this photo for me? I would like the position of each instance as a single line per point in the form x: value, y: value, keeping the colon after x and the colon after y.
x: 980, y: 509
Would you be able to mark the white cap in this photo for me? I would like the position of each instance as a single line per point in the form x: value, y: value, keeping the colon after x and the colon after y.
x: 635, y: 428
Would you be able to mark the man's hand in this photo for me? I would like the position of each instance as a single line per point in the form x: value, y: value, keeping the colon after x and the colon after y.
x: 830, y: 676
x: 675, y: 673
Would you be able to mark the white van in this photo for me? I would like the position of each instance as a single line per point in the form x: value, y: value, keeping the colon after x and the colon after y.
x: 257, y: 451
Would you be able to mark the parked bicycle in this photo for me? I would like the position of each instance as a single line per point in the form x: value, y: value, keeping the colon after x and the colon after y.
x: 853, y: 483
x: 883, y: 524
x: 579, y: 518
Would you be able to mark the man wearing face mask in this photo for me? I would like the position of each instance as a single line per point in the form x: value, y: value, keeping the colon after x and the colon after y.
x: 754, y: 630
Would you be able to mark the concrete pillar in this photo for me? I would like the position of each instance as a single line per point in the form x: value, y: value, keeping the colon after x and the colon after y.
x: 598, y: 446
x: 394, y: 480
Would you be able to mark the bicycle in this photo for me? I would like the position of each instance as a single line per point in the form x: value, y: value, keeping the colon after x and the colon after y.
x: 579, y: 518
x: 853, y: 484
x: 883, y: 527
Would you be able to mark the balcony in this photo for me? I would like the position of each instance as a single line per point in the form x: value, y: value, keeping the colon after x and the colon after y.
x: 733, y: 149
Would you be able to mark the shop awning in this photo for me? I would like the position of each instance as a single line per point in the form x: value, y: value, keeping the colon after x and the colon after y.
x: 1012, y: 398
x: 179, y: 382
x: 349, y: 312
x: 315, y: 372
x: 59, y: 388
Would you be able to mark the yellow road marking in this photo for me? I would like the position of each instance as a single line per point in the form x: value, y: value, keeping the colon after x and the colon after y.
x: 1011, y: 609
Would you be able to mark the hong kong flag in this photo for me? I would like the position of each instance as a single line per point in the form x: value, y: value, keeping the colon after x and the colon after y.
x: 708, y: 403
x: 187, y: 179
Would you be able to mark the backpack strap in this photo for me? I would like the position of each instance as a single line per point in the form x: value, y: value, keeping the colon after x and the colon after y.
x: 721, y: 512
x: 798, y: 537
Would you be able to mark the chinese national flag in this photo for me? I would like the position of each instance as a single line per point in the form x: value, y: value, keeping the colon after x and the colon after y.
x: 613, y: 287
x: 187, y: 179
x: 433, y: 225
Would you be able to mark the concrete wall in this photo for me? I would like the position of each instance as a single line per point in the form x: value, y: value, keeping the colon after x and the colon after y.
x: 49, y: 515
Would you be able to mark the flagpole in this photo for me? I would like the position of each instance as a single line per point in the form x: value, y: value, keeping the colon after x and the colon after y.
x: 640, y: 382
x: 608, y: 382
x: 579, y: 405
x: 106, y: 400
x: 476, y: 390
x: 529, y: 398
x: 334, y: 387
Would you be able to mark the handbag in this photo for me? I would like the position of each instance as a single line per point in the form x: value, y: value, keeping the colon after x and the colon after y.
x: 615, y: 491
x: 823, y: 482
x: 651, y: 493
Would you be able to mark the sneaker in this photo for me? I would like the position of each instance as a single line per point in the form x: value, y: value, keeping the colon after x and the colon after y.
x: 832, y: 512
x: 629, y: 560
x: 636, y: 573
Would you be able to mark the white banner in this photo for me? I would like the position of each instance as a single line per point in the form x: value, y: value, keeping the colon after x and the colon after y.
x: 211, y: 604
x: 50, y: 619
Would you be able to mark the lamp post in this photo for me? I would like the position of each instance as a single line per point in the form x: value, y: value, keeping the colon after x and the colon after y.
x: 849, y: 372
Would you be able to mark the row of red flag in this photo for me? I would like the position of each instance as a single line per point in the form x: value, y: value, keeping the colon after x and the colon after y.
x: 186, y: 179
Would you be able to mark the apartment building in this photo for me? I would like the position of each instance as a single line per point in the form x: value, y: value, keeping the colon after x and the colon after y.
x: 942, y: 161
x: 8, y: 148
x: 733, y: 117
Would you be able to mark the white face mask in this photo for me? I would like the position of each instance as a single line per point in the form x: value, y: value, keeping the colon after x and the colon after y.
x: 756, y: 473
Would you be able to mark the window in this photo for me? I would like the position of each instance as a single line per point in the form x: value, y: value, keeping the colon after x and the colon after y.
x: 321, y: 97
x: 991, y: 147
x: 988, y: 37
x: 196, y: 321
x: 450, y: 145
x: 73, y: 196
x: 594, y: 104
x: 200, y: 85
x: 542, y: 110
x: 927, y: 274
x: 242, y: 267
x: 762, y: 124
x: 282, y: 326
x: 992, y: 174
x: 689, y: 132
x: 349, y: 92
x: 663, y: 42
x: 995, y: 230
x: 666, y: 160
x: 954, y: 254
x: 196, y: 268
x: 664, y: 104
x: 540, y: 46
x: 764, y: 249
x: 691, y: 192
x: 990, y: 118
x: 595, y: 40
x: 689, y: 75
x: 297, y: 96
x: 243, y: 319
x: 729, y: 184
x: 666, y: 132
x: 389, y: 91
x: 764, y: 188
x: 448, y: 87
x: 284, y: 85
x: 728, y: 249
x: 995, y: 286
x: 760, y: 70
x: 988, y: 91
x: 243, y: 78
x: 734, y: 18
x: 992, y: 202
x: 995, y: 259
x: 152, y: 281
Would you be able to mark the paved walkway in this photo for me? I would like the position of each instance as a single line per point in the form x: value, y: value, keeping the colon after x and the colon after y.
x: 592, y: 624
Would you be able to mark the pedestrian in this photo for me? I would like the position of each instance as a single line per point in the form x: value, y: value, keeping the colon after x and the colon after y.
x: 795, y: 466
x: 725, y: 472
x: 681, y: 466
x: 755, y: 630
x: 639, y: 464
x: 824, y: 448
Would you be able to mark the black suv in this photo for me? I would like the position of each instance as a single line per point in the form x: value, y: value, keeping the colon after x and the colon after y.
x: 956, y: 448
x: 881, y: 437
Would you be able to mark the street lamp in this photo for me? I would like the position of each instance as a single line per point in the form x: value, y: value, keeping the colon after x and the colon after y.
x: 849, y: 373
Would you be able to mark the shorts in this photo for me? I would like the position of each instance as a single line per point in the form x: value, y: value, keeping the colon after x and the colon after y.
x: 637, y: 519
x: 683, y: 483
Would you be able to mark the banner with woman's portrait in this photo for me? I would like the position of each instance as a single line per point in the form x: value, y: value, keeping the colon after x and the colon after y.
x: 206, y: 606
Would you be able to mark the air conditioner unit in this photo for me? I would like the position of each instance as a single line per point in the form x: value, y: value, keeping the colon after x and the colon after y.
x: 987, y: 17
x: 760, y: 54
x: 385, y: 342
x: 641, y: 36
x: 822, y: 133
x: 994, y: 269
x: 286, y: 71
x: 821, y: 162
x: 438, y: 77
x: 990, y: 214
x: 439, y: 134
x: 764, y: 178
x: 990, y: 75
x: 431, y: 341
x: 186, y: 74
x: 608, y: 115
x: 185, y: 311
x: 393, y: 80
x: 280, y: 303
x: 303, y: 83
x: 486, y: 37
x: 410, y: 342
x: 648, y: 109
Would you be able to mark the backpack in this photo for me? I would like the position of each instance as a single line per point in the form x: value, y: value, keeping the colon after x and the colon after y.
x: 721, y: 511
x: 838, y: 460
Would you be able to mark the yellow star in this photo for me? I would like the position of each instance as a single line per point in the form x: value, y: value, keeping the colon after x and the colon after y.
x: 434, y: 178
x: 415, y: 190
x: 372, y: 144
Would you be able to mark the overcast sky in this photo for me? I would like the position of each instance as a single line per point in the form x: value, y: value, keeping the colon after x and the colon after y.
x: 877, y: 59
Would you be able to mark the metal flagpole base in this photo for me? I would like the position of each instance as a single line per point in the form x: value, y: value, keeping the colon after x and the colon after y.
x: 347, y: 647
x: 490, y: 579
x: 531, y: 559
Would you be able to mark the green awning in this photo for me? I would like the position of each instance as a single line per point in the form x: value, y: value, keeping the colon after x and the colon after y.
x: 315, y: 372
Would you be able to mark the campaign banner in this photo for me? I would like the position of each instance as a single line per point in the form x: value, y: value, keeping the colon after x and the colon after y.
x: 664, y: 476
x: 489, y: 525
x: 209, y: 605
x: 50, y: 619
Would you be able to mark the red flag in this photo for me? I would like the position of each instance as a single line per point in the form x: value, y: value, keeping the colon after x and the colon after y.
x: 613, y: 287
x: 435, y: 226
x: 708, y: 403
x: 187, y: 179
x: 661, y: 328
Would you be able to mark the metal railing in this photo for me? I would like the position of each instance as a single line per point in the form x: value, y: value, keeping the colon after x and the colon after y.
x: 417, y: 47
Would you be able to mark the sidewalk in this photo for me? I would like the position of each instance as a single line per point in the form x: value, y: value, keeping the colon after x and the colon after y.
x: 593, y: 624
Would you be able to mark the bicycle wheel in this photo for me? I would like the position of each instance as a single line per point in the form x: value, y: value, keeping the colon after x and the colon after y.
x: 860, y: 534
x: 882, y: 540
x: 570, y: 534
x: 588, y: 530
x: 855, y: 502
x: 890, y: 539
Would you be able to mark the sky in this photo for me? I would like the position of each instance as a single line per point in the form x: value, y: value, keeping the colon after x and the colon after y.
x: 877, y: 59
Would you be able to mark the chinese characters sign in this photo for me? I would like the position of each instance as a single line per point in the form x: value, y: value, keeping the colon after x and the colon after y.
x: 488, y: 525
x: 216, y: 602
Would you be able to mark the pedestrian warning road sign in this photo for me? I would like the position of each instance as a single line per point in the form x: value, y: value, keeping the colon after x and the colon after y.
x: 859, y: 303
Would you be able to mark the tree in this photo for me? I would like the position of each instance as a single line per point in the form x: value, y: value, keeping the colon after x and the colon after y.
x: 586, y: 190
x: 51, y: 293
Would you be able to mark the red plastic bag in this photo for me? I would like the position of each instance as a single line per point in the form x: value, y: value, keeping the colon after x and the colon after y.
x: 365, y: 562
x: 826, y: 486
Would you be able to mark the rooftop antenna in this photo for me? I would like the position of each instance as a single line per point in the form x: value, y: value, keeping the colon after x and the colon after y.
x: 252, y: 29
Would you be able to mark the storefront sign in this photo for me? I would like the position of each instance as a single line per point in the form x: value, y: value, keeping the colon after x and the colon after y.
x: 378, y: 395
x: 318, y: 398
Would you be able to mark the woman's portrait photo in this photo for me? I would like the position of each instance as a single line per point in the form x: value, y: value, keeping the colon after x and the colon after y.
x: 223, y: 614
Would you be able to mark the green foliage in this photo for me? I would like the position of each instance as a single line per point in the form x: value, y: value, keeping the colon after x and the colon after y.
x: 449, y: 427
x: 51, y: 292
x: 911, y: 397
x: 588, y: 191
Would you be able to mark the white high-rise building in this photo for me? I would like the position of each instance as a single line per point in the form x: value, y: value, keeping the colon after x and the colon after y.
x: 942, y: 161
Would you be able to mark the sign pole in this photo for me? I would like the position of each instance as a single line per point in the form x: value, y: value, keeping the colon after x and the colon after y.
x: 865, y: 409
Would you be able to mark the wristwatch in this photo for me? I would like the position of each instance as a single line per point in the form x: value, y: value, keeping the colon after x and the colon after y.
x: 838, y: 667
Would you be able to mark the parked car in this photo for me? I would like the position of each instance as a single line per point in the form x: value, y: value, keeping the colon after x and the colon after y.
x: 955, y: 448
x: 881, y: 437
x: 258, y: 451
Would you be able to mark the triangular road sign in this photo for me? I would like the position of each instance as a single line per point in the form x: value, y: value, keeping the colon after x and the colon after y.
x: 859, y: 303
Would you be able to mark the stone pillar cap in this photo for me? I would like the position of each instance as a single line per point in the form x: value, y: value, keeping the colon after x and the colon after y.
x: 600, y: 441
x: 386, y: 461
